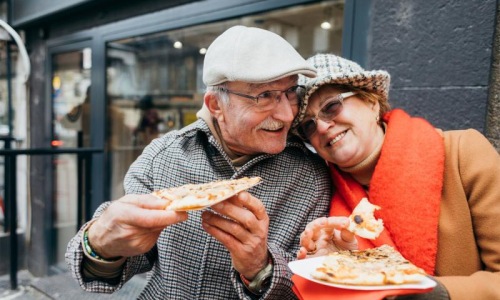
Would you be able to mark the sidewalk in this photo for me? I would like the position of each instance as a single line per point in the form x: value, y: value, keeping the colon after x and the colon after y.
x: 61, y: 286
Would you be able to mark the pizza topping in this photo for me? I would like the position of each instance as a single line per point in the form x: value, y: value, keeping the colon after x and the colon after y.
x: 358, y: 219
x: 198, y: 196
x: 378, y: 266
x: 363, y: 222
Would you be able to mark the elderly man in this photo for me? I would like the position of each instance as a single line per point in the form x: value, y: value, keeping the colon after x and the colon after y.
x: 239, y: 248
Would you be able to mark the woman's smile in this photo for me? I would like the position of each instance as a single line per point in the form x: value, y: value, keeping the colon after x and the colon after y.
x: 337, y: 138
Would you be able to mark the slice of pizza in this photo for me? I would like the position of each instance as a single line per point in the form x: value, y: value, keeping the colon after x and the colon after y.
x: 377, y: 266
x: 198, y: 196
x: 363, y: 222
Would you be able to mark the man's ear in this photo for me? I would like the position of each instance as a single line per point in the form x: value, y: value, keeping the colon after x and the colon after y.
x: 212, y: 103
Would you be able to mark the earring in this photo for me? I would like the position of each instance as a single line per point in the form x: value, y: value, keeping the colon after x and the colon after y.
x: 377, y: 118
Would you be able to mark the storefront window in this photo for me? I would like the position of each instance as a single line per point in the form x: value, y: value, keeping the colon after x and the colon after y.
x: 154, y: 82
x: 71, y: 129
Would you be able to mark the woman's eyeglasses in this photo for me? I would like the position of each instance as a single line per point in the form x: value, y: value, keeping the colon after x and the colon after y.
x: 330, y: 109
x: 269, y: 99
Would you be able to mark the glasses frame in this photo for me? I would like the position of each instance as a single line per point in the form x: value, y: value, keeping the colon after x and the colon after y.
x: 321, y: 115
x: 277, y: 94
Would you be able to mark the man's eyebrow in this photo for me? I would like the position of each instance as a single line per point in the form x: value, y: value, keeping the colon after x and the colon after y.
x: 254, y: 86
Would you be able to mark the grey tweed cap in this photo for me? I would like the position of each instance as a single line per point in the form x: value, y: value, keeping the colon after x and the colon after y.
x: 333, y: 69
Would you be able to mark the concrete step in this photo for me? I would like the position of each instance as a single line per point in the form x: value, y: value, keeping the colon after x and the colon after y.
x: 62, y: 286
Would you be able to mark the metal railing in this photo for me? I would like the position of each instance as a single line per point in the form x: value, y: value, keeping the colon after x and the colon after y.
x: 84, y: 171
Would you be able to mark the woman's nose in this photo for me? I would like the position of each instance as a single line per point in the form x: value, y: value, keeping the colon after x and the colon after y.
x: 322, y: 126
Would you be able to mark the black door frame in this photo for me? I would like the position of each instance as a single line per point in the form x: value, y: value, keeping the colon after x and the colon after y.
x: 52, y: 50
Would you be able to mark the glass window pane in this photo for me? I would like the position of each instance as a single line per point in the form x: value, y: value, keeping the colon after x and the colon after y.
x: 71, y: 129
x: 71, y: 101
x: 154, y: 81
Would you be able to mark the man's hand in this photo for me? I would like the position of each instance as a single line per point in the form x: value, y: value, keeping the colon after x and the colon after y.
x: 325, y: 235
x: 242, y: 227
x: 131, y: 225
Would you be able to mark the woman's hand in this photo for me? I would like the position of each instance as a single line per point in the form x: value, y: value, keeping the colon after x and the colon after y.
x: 325, y: 235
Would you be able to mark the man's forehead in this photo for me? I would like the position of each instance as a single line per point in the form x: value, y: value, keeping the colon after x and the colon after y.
x: 266, y: 85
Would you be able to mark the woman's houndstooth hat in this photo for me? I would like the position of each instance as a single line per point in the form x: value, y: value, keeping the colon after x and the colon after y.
x: 333, y: 69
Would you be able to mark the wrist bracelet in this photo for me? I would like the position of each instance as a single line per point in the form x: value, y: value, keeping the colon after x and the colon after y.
x: 91, y: 252
x: 87, y: 246
x: 261, y: 282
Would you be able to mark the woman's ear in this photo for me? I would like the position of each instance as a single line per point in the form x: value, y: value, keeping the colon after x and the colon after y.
x: 376, y: 107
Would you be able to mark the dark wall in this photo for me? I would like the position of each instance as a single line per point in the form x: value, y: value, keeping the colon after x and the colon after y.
x: 89, y: 14
x: 24, y: 11
x: 439, y: 56
x: 493, y: 119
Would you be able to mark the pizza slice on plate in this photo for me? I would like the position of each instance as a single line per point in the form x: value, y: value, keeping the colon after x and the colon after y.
x: 377, y: 266
x: 198, y: 196
x: 363, y: 222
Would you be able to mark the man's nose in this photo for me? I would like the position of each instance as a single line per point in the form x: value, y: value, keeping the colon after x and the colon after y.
x: 284, y: 109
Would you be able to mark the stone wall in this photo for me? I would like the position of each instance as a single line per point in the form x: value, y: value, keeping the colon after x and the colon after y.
x: 493, y: 117
x: 439, y: 54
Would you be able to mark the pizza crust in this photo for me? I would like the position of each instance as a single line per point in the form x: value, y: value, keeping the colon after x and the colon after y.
x: 198, y: 196
x: 361, y: 279
x: 362, y: 220
x: 377, y: 266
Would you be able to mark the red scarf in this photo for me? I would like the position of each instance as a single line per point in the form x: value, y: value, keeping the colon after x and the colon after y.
x: 406, y: 184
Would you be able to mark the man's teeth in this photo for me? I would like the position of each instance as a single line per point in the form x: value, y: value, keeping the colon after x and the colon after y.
x: 338, y: 138
x: 273, y: 126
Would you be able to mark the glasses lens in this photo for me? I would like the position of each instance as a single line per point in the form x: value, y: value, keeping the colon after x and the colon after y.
x: 307, y: 128
x: 294, y: 94
x: 266, y: 98
x: 330, y: 110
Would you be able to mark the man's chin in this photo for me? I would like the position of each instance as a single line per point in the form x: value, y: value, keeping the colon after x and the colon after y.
x: 274, y: 135
x: 270, y: 149
x: 272, y: 142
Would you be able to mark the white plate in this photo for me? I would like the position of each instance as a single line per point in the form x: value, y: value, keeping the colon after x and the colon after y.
x: 305, y: 267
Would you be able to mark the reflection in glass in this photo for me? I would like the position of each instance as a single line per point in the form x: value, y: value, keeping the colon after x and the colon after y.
x: 71, y: 129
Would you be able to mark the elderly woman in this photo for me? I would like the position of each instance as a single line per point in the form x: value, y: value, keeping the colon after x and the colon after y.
x: 438, y: 190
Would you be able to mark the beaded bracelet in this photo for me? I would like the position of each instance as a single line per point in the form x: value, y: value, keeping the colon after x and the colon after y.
x: 92, y: 253
x: 89, y: 249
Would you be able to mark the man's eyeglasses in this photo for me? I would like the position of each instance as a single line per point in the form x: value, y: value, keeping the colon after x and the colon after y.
x: 330, y: 109
x: 269, y: 99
